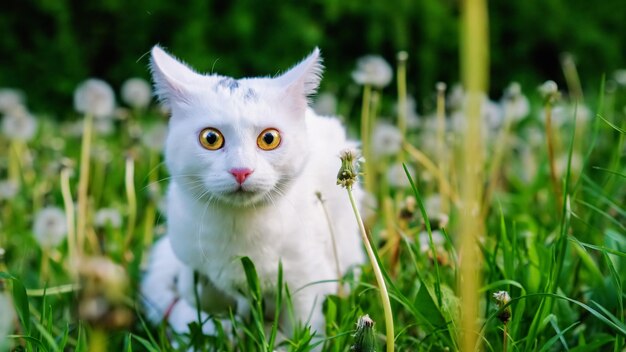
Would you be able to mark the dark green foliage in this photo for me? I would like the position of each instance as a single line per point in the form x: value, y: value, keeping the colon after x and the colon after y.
x: 48, y: 47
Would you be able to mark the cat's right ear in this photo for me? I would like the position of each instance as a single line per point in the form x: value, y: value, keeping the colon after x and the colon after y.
x: 170, y: 76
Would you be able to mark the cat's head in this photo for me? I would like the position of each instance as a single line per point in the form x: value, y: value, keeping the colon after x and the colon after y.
x: 239, y: 142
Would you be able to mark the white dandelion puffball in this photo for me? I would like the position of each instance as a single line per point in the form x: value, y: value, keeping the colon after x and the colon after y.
x: 10, y: 99
x: 50, y: 227
x: 95, y: 97
x: 386, y: 140
x: 108, y: 217
x: 137, y: 93
x: 154, y: 137
x: 19, y: 125
x: 548, y: 89
x: 325, y: 104
x: 620, y: 77
x: 372, y: 70
x: 424, y: 240
x: 398, y: 178
x: 514, y: 103
x: 8, y: 189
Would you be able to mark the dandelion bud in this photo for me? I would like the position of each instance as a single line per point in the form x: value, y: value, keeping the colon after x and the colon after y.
x: 502, y: 298
x: 364, y: 339
x: 349, y: 170
x: 402, y: 56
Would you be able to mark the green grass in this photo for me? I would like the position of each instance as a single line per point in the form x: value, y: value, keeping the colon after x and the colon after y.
x: 564, y: 267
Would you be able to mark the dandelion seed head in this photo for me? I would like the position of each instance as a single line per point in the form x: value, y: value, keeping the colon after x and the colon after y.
x: 549, y: 91
x: 515, y: 104
x: 108, y: 217
x: 620, y: 77
x: 8, y: 189
x: 137, y: 93
x: 386, y: 140
x: 10, y: 99
x: 373, y: 70
x: 325, y: 104
x: 397, y: 177
x: 95, y: 97
x: 154, y: 137
x: 50, y: 227
x: 19, y: 125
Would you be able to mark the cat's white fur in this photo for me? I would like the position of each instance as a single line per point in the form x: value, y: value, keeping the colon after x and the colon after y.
x: 212, y: 221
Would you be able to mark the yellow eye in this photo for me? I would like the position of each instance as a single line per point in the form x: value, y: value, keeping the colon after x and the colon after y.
x: 269, y: 139
x: 211, y: 139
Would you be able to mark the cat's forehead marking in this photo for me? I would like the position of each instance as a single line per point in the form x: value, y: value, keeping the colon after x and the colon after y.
x: 250, y: 95
x: 228, y: 83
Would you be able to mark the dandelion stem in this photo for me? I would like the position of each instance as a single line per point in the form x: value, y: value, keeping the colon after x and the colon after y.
x: 98, y: 341
x: 384, y: 295
x: 331, y: 230
x: 402, y: 98
x: 365, y: 136
x: 69, y: 216
x: 129, y: 181
x: 83, y: 184
x: 504, y: 338
x: 498, y: 156
x: 441, y: 146
x: 550, y: 143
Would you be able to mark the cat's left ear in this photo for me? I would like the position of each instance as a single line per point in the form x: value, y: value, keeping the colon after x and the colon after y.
x: 302, y: 80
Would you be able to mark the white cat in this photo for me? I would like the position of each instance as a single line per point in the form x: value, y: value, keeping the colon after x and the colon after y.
x: 246, y: 159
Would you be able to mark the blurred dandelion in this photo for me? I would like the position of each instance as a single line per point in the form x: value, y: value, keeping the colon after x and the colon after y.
x: 137, y: 93
x: 386, y: 140
x: 19, y: 125
x: 373, y: 70
x: 8, y: 189
x: 325, y: 104
x: 94, y: 97
x: 108, y: 217
x: 50, y: 227
x: 154, y: 137
x: 10, y: 99
x: 514, y: 103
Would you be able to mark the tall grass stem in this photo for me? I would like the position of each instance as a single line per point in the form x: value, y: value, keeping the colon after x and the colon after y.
x: 474, y: 68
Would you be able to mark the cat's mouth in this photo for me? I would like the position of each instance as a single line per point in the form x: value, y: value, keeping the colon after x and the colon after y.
x: 243, y: 196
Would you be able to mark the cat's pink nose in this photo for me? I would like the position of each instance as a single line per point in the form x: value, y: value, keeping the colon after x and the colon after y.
x: 241, y: 174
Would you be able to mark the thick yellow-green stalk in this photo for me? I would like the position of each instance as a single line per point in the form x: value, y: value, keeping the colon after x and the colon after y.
x: 129, y: 181
x: 365, y: 136
x: 68, y: 203
x: 442, y: 155
x: 403, y: 56
x: 83, y: 185
x: 474, y: 68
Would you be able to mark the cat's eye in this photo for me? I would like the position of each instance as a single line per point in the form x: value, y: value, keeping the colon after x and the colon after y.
x: 269, y: 139
x: 211, y: 139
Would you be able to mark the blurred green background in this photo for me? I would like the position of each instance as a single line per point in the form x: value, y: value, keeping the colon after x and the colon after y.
x: 48, y: 46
